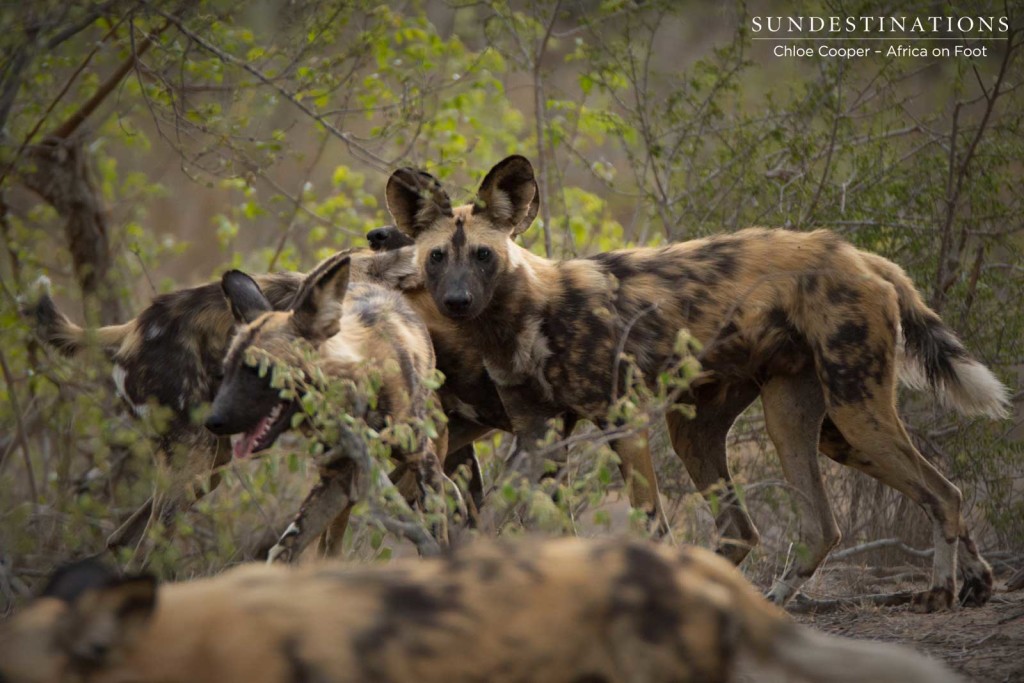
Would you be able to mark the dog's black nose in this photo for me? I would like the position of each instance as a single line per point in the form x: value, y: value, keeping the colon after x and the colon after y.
x: 215, y: 423
x: 387, y: 238
x: 458, y: 302
x: 378, y: 237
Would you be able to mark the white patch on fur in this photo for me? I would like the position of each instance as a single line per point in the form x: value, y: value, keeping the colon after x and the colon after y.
x: 338, y: 348
x: 275, y: 553
x: 944, y: 561
x: 36, y: 292
x: 911, y: 371
x: 120, y: 376
x: 153, y: 331
x: 975, y: 393
x: 978, y: 391
x: 517, y: 260
x: 41, y: 288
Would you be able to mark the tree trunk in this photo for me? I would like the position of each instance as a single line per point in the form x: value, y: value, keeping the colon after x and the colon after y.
x: 58, y: 170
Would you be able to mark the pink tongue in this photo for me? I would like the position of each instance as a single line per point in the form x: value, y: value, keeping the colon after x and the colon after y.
x: 243, y: 444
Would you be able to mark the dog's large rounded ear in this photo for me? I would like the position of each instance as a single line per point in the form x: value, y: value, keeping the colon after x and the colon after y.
x: 509, y: 195
x: 415, y: 200
x: 318, y: 303
x: 106, y: 614
x: 244, y: 296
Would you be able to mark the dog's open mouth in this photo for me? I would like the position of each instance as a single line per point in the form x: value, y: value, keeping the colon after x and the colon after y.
x: 263, y: 434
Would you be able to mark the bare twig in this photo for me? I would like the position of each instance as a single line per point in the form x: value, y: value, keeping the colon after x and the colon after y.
x: 804, y: 605
x: 878, y: 545
x: 1016, y: 582
x: 539, y: 107
x: 350, y: 141
x: 12, y: 396
x: 958, y: 173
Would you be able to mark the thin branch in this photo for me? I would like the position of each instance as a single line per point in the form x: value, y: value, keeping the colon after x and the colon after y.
x: 298, y: 205
x: 56, y: 100
x: 350, y: 140
x: 955, y: 182
x: 12, y: 396
x: 66, y: 129
x: 878, y: 545
x: 539, y: 107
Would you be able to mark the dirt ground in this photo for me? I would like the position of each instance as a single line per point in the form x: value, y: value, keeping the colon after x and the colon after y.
x: 984, y: 644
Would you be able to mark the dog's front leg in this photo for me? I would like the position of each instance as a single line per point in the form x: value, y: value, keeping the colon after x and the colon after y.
x: 330, y: 498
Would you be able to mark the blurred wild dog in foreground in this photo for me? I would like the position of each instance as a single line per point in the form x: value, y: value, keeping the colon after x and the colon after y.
x: 819, y: 329
x: 347, y: 340
x: 557, y: 610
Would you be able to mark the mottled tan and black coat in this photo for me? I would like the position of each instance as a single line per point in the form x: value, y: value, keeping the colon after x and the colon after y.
x: 560, y: 611
x: 172, y: 356
x: 362, y: 346
x: 819, y: 329
x: 169, y: 356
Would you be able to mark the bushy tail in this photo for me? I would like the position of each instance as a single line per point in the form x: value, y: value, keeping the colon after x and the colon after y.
x: 62, y: 334
x: 816, y: 657
x: 933, y: 358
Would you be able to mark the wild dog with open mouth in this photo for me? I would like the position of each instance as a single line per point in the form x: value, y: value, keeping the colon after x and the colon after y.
x: 336, y: 331
x: 558, y: 610
x: 172, y: 355
x: 819, y: 329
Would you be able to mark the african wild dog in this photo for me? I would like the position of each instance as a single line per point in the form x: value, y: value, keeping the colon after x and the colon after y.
x: 172, y: 355
x: 336, y: 332
x: 821, y: 330
x: 558, y: 610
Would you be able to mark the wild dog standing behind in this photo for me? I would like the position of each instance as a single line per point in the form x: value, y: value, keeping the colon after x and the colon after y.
x: 171, y: 355
x: 336, y: 331
x: 558, y: 610
x: 805, y: 320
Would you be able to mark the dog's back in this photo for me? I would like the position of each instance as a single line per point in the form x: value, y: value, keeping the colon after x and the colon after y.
x: 555, y: 610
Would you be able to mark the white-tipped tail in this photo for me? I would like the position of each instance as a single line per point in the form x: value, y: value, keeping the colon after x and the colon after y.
x: 973, y: 390
x: 977, y: 391
x: 816, y: 657
x: 37, y: 291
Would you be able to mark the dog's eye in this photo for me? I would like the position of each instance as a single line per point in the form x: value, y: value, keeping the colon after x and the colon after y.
x: 483, y: 254
x: 437, y: 255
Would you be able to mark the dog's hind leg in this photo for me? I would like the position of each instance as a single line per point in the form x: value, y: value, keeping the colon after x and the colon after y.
x: 794, y: 407
x: 885, y: 452
x: 975, y: 571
